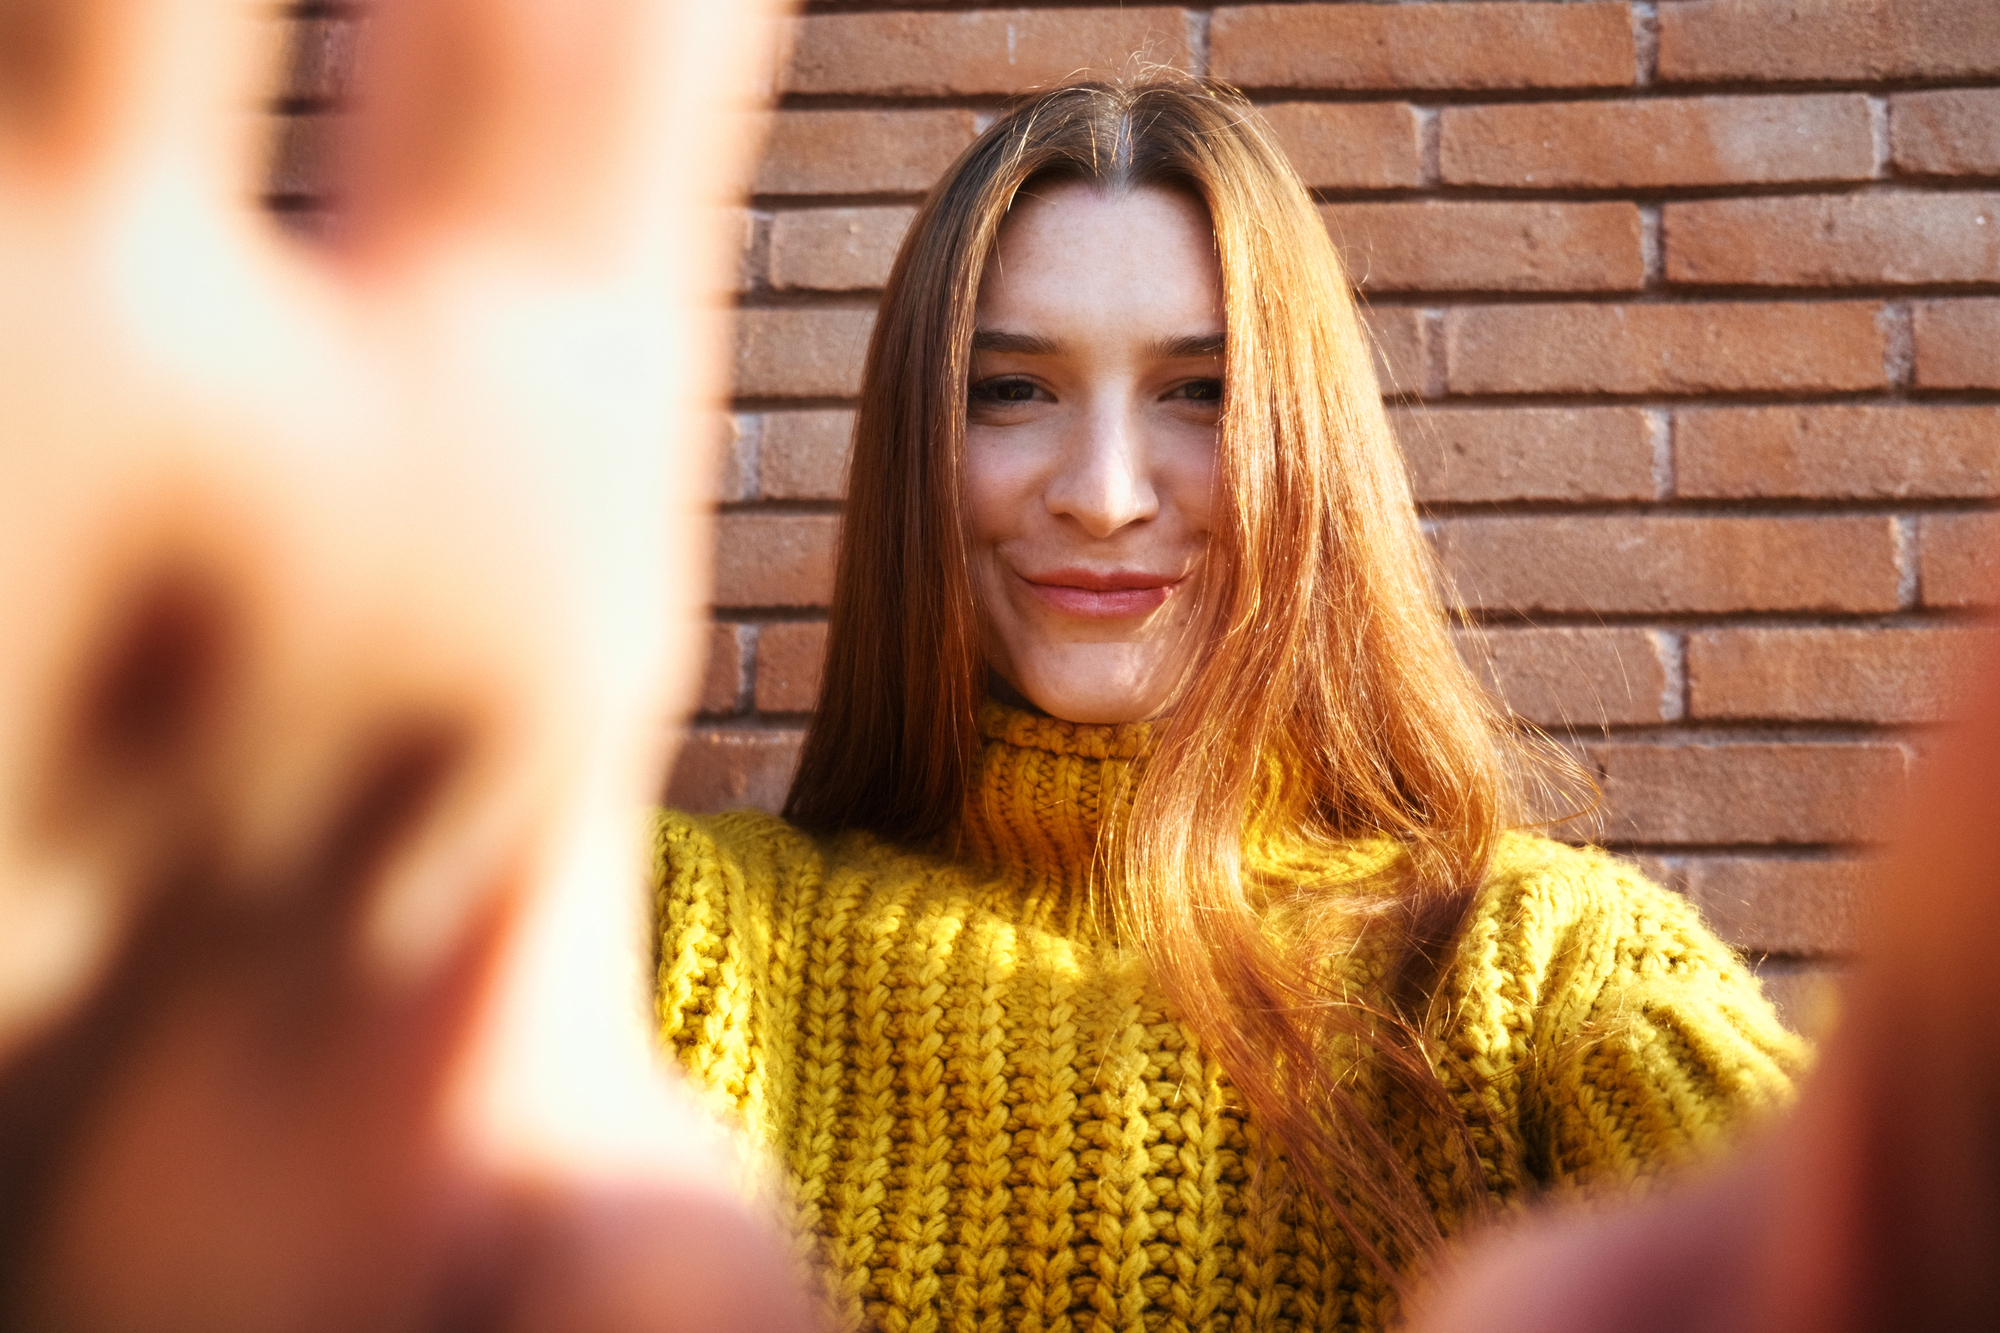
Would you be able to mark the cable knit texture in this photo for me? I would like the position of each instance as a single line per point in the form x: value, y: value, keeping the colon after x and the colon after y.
x: 988, y: 1119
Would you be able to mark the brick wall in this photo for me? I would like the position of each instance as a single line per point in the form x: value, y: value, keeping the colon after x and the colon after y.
x: 1691, y: 311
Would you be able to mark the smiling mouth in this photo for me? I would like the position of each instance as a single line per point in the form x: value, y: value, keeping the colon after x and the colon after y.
x: 1110, y: 596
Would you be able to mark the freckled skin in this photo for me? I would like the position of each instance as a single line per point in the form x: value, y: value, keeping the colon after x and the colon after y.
x: 1091, y: 432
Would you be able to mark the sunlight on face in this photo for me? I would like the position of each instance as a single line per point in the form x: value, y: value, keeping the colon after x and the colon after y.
x: 1091, y: 426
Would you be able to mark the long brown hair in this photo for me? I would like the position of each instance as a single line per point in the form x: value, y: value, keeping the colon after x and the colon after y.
x: 1329, y: 656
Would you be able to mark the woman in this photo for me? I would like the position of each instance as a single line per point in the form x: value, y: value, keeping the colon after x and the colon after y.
x: 1145, y: 940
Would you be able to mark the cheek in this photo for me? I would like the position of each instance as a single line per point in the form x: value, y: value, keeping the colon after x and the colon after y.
x: 1189, y: 471
x: 998, y: 491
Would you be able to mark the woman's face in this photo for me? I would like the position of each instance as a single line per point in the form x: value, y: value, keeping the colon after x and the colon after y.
x: 1090, y: 442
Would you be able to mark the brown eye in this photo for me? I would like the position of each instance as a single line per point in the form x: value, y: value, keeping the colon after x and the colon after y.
x: 1003, y: 391
x: 1200, y: 391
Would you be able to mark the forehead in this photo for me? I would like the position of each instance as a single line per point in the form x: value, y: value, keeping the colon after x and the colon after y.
x: 1073, y: 249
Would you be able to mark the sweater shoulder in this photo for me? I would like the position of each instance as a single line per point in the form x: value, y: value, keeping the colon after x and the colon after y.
x: 743, y: 844
x: 1550, y: 899
x: 1623, y: 1034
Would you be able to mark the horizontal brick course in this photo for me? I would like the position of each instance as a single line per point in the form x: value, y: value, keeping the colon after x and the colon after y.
x: 803, y: 455
x: 1748, y: 794
x: 836, y: 249
x: 1656, y: 564
x: 1475, y: 455
x: 774, y: 559
x: 1665, y: 349
x: 861, y: 151
x: 1515, y: 247
x: 1785, y: 40
x: 801, y: 353
x: 1834, y: 240
x: 788, y: 666
x: 1655, y: 143
x: 1831, y: 674
x: 1574, y: 677
x: 1950, y: 132
x: 1957, y: 343
x: 982, y: 51
x: 1959, y: 559
x: 1423, y: 46
x: 1783, y: 905
x: 726, y: 769
x: 1350, y: 145
x: 1838, y: 452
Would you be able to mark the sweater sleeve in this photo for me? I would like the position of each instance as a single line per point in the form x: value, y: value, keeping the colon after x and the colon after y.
x: 1645, y: 1041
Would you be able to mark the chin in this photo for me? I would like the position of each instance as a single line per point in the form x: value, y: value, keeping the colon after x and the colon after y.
x: 1094, y: 707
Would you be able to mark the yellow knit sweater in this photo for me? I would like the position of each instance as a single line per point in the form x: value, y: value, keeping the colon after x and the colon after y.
x: 989, y: 1119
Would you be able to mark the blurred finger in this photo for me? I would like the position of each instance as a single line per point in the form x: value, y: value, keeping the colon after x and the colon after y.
x: 120, y: 94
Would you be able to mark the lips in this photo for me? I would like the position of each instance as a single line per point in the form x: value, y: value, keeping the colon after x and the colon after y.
x: 1102, y: 594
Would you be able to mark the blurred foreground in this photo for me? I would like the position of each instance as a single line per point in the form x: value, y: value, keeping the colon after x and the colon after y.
x: 349, y: 599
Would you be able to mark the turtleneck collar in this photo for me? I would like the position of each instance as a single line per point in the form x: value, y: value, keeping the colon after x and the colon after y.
x: 1043, y: 790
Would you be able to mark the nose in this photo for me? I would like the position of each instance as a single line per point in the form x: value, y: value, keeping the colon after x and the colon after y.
x: 1104, y: 481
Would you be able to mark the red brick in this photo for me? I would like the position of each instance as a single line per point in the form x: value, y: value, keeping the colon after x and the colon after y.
x: 304, y: 157
x: 1747, y: 794
x: 1478, y: 455
x: 1889, y: 675
x: 1400, y: 343
x: 725, y: 769
x: 1957, y: 344
x: 722, y: 674
x: 1664, y: 142
x: 1959, y: 563
x: 1705, y: 348
x: 1782, y: 41
x: 788, y: 663
x: 739, y: 232
x: 1845, y: 452
x: 984, y: 51
x: 1350, y: 145
x: 1782, y: 905
x: 319, y: 66
x: 1952, y: 132
x: 803, y: 455
x: 836, y: 249
x: 861, y: 152
x: 1506, y: 247
x: 1831, y: 240
x: 1663, y: 564
x: 1424, y: 46
x: 736, y: 474
x: 1575, y: 677
x: 774, y: 559
x: 801, y: 353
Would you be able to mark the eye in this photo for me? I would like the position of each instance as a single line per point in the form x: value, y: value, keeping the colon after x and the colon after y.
x: 1004, y: 391
x: 1199, y: 391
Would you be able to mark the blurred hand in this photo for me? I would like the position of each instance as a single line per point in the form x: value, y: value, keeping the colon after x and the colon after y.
x: 348, y: 600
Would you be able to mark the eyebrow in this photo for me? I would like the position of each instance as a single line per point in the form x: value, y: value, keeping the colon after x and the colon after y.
x: 1020, y: 344
x: 1190, y: 345
x: 1033, y: 344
